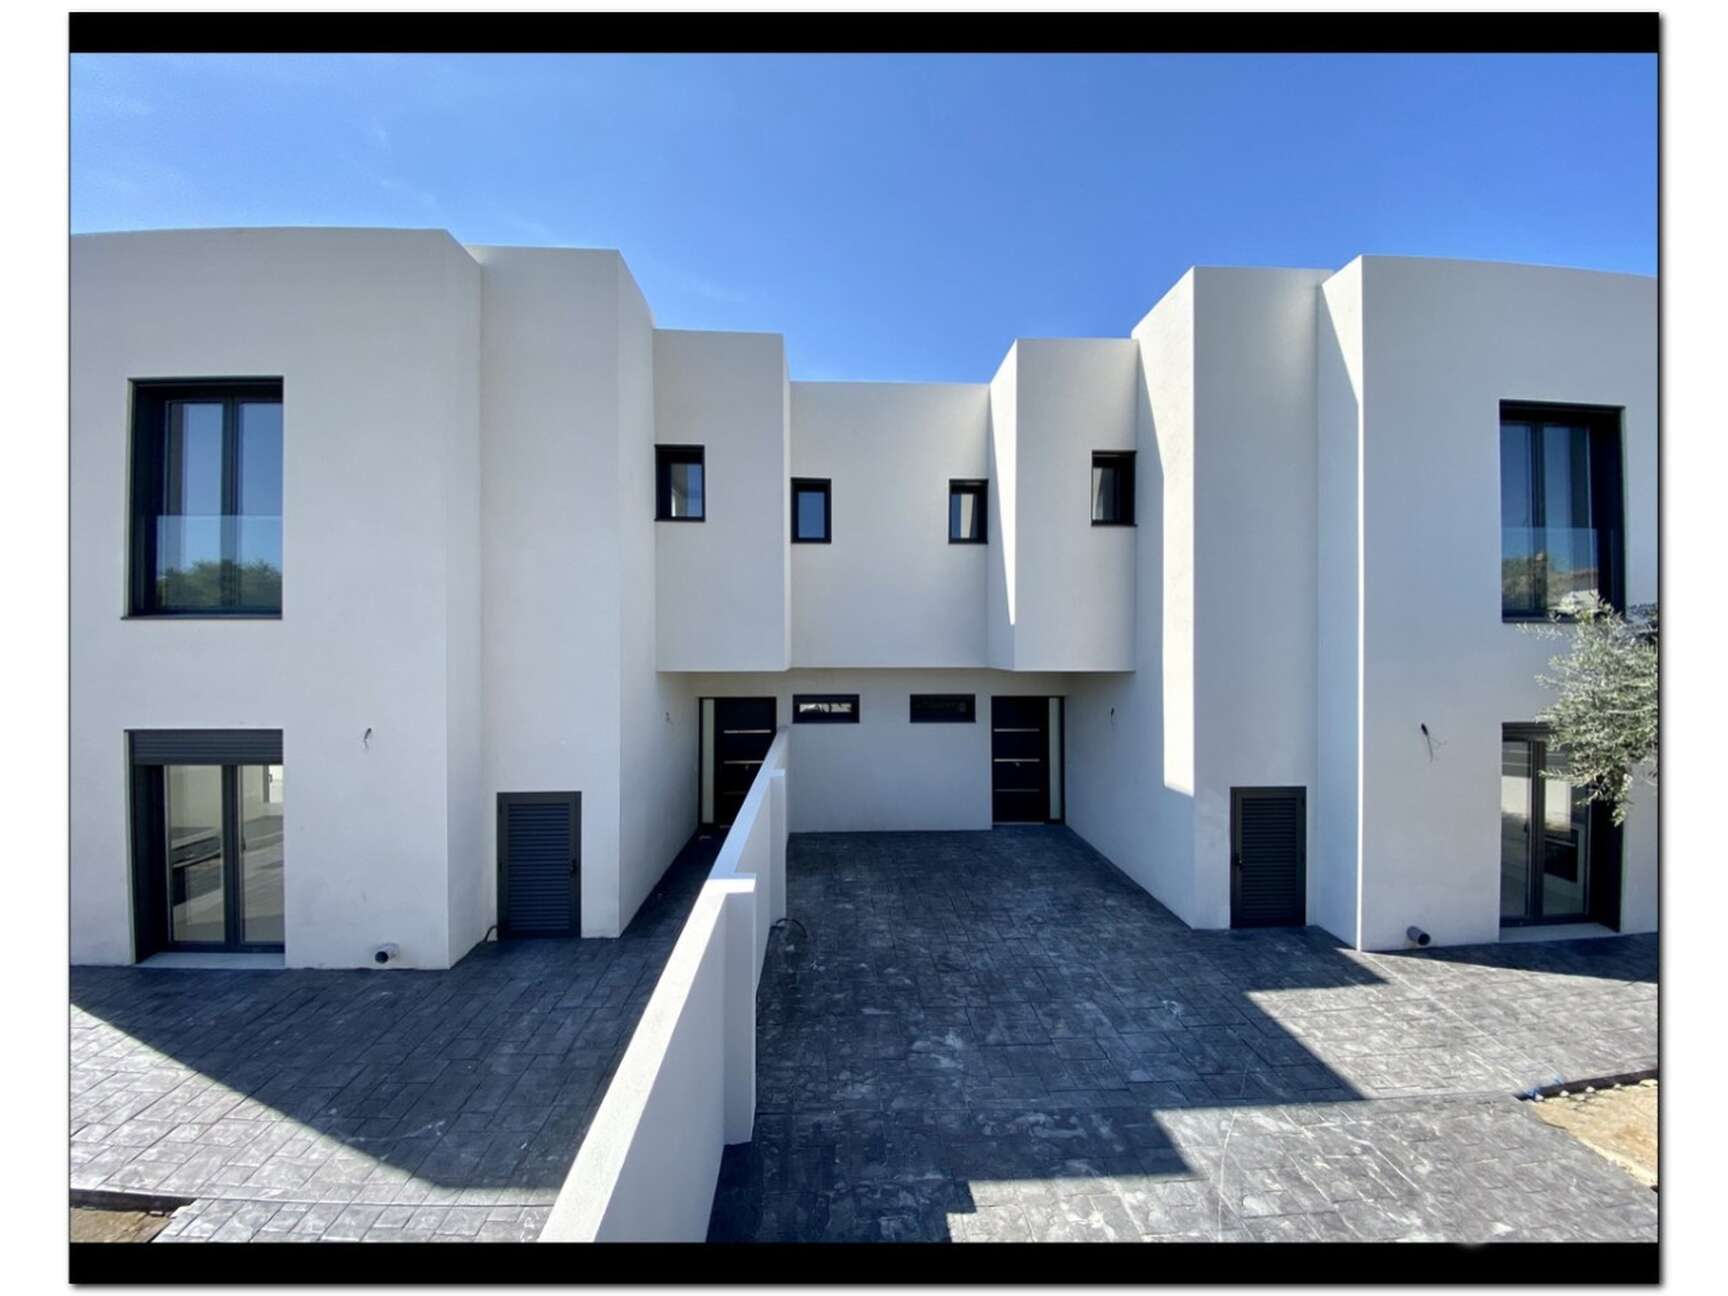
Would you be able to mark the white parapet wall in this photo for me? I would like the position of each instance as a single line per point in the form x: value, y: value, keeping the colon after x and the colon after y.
x: 686, y: 1087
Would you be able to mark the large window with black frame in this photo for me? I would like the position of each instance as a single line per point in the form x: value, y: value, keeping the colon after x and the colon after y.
x: 1561, y: 535
x: 207, y: 498
x: 208, y: 840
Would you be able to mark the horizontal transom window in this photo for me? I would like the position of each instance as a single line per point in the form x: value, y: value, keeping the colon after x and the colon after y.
x: 944, y: 708
x: 824, y: 708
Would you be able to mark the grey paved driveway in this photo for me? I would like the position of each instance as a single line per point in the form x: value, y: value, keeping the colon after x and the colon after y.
x: 998, y: 1036
x: 306, y: 1105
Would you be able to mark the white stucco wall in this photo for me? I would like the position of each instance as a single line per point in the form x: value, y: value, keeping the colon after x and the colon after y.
x: 372, y: 333
x: 1334, y: 863
x: 1131, y: 736
x: 1254, y: 527
x: 1444, y: 343
x: 1073, y: 582
x: 889, y: 590
x: 722, y: 584
x: 885, y: 773
x: 1002, y: 468
x: 657, y: 795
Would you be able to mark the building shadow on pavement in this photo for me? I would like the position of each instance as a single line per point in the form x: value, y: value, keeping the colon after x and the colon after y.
x: 999, y: 1036
x: 474, y: 1085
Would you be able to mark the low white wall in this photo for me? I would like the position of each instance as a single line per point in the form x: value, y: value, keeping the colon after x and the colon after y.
x: 686, y: 1086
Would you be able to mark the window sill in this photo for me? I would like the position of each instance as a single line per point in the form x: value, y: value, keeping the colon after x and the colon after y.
x: 953, y: 541
x: 1097, y: 523
x: 660, y: 518
x: 201, y: 616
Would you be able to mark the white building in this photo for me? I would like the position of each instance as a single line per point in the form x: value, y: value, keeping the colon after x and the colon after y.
x: 418, y: 588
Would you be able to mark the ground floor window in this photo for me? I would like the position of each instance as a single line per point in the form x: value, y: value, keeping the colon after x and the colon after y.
x: 208, y: 839
x: 1559, y: 853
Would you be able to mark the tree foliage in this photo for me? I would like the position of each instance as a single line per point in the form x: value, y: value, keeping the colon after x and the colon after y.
x: 1605, y: 714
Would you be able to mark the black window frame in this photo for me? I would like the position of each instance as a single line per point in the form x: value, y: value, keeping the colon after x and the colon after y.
x: 799, y: 700
x: 980, y: 489
x: 1123, y: 462
x: 823, y: 486
x: 968, y: 716
x: 1607, y: 495
x: 149, y: 753
x: 148, y: 488
x: 1603, y: 844
x: 665, y: 456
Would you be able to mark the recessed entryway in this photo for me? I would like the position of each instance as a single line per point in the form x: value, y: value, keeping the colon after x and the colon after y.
x: 1025, y: 760
x: 736, y: 735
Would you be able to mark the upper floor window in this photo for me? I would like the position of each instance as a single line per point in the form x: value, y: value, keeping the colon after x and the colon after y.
x: 207, y: 498
x: 679, y: 494
x: 810, y: 511
x: 1560, y: 509
x: 967, y: 505
x: 1112, y: 488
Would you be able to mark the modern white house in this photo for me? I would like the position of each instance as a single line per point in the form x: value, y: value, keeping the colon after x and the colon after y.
x: 420, y: 589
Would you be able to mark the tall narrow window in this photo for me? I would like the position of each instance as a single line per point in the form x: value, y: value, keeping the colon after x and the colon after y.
x: 967, y: 505
x: 207, y: 498
x: 1560, y: 509
x: 679, y: 484
x: 1112, y: 488
x: 811, y: 523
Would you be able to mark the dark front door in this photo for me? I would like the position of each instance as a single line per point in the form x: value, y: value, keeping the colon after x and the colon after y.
x: 743, y: 733
x: 1268, y: 857
x: 1020, y: 759
x: 539, y: 864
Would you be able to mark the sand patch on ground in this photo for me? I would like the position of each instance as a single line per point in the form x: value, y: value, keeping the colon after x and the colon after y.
x: 92, y: 1225
x: 1619, y: 1123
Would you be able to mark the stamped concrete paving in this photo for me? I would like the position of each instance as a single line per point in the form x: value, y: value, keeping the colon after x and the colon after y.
x: 306, y: 1105
x: 998, y: 1036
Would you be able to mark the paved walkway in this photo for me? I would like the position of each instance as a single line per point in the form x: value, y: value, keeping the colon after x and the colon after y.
x: 306, y: 1105
x: 999, y: 1037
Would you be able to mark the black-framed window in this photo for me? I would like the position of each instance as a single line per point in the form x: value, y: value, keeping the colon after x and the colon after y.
x: 1559, y: 851
x: 680, y: 484
x: 1561, y: 535
x: 812, y: 510
x: 824, y: 708
x: 968, y: 512
x: 208, y: 839
x: 1112, y: 488
x: 944, y: 708
x: 206, y: 498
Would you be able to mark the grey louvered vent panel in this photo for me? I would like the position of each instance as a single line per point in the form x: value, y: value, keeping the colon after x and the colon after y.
x: 1269, y: 887
x: 207, y: 746
x: 539, y: 838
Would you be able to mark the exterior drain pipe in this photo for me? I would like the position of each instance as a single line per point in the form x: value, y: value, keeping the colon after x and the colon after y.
x: 384, y: 954
x: 1417, y: 935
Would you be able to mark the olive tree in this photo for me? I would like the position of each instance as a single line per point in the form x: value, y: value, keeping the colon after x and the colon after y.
x: 1604, y: 716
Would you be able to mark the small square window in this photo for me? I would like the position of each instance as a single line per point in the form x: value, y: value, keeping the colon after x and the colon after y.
x: 968, y: 509
x: 680, y: 493
x: 811, y: 523
x: 944, y: 708
x: 824, y: 708
x: 1112, y: 488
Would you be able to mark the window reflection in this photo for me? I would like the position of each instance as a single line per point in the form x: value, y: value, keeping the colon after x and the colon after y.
x: 194, y: 850
x: 261, y: 854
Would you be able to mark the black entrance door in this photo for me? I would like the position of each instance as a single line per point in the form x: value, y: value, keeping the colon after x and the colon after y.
x: 1020, y: 759
x: 539, y: 864
x: 743, y: 733
x: 1268, y: 857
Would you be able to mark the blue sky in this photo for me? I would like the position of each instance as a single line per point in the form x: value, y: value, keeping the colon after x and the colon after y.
x: 895, y: 217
